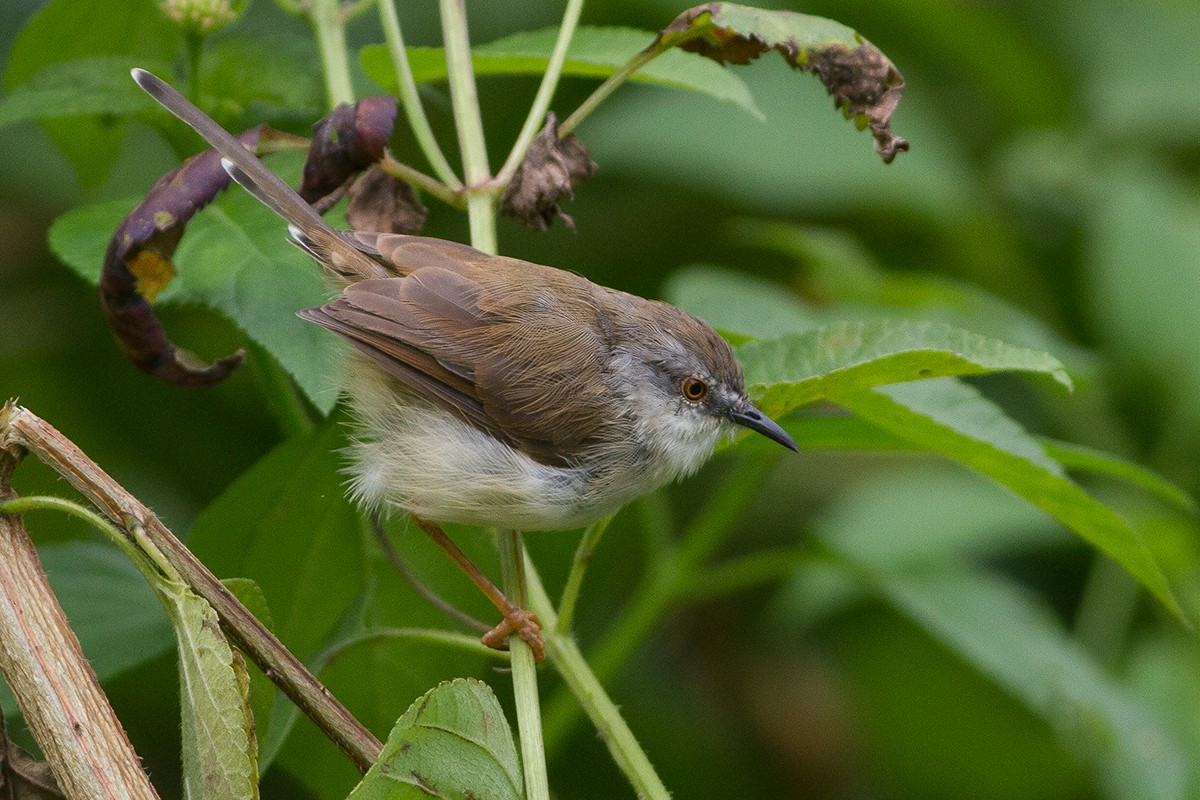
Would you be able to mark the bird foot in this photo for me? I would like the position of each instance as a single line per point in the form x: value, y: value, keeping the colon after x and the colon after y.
x: 524, y: 624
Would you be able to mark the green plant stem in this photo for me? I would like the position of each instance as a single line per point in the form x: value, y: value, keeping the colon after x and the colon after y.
x: 194, y: 45
x: 464, y: 100
x: 451, y: 197
x: 583, y: 557
x: 605, y: 89
x: 564, y: 655
x: 665, y: 584
x: 545, y: 93
x: 524, y: 674
x: 743, y: 573
x: 22, y: 505
x: 290, y: 410
x: 410, y: 100
x: 329, y: 27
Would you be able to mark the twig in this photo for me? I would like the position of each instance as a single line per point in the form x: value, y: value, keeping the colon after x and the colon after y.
x: 21, y: 429
x: 55, y: 686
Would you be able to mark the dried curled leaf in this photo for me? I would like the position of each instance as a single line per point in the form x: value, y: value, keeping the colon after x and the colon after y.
x: 137, y: 265
x: 552, y: 169
x: 346, y: 141
x: 380, y: 202
x: 138, y: 262
x: 865, y: 84
x: 22, y: 776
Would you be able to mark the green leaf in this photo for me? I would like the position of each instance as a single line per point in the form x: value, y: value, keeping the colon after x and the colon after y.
x: 1087, y: 459
x: 66, y: 30
x: 453, y: 743
x: 948, y: 417
x: 761, y: 310
x: 1009, y: 637
x: 96, y: 85
x: 286, y: 523
x: 234, y: 258
x: 594, y: 53
x: 219, y: 758
x: 788, y: 372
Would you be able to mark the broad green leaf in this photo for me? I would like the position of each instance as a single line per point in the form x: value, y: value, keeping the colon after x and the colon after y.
x: 1088, y: 459
x: 738, y: 303
x: 219, y: 758
x: 66, y: 30
x: 788, y: 372
x: 234, y: 258
x: 286, y: 524
x: 1009, y: 637
x: 249, y: 79
x: 263, y: 692
x: 839, y: 268
x: 453, y: 743
x: 594, y: 53
x: 96, y: 85
x: 948, y: 417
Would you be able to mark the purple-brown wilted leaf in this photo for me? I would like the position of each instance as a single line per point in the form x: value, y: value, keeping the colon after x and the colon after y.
x: 379, y: 202
x: 346, y: 141
x: 552, y: 169
x: 866, y: 86
x: 137, y: 265
x: 22, y: 776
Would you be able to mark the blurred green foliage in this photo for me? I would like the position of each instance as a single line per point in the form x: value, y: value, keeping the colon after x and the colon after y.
x: 877, y: 624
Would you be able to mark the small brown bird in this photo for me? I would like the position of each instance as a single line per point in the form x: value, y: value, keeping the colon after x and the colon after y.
x: 492, y: 391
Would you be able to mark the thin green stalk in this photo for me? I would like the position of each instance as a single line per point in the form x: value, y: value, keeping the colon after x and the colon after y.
x: 193, y: 43
x: 329, y: 27
x: 665, y: 585
x: 451, y: 197
x: 563, y: 654
x: 605, y: 89
x: 756, y: 569
x: 712, y: 525
x: 524, y: 674
x: 410, y: 100
x: 464, y: 100
x: 22, y: 505
x: 541, y: 102
x: 583, y: 557
x: 284, y: 399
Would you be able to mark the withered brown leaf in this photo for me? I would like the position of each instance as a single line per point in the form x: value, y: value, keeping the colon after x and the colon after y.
x: 552, y: 169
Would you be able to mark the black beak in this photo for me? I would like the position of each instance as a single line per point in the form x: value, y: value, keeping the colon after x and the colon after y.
x: 750, y: 417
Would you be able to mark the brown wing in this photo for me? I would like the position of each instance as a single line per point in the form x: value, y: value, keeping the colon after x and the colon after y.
x: 521, y: 360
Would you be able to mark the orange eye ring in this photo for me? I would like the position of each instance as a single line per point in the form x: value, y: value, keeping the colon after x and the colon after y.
x: 694, y: 389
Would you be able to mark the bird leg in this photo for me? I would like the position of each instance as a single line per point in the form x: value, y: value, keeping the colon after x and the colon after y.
x: 516, y: 619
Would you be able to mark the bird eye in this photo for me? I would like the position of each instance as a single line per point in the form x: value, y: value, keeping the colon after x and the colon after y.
x: 694, y: 390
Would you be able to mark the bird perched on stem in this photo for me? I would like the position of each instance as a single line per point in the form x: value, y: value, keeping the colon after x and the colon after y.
x: 492, y: 391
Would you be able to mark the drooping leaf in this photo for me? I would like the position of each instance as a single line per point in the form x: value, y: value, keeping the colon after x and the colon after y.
x: 1005, y: 634
x: 286, y: 523
x: 345, y: 142
x: 219, y: 744
x: 380, y: 202
x: 454, y: 743
x: 948, y: 417
x: 595, y: 52
x: 792, y: 370
x: 866, y: 86
x: 1089, y: 459
x: 235, y: 259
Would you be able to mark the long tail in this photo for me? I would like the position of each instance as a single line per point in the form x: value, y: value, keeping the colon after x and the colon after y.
x: 328, y: 246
